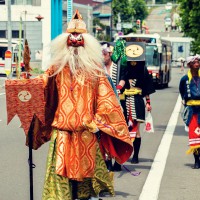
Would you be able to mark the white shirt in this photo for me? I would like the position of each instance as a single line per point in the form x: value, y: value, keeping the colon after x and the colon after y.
x: 113, y: 72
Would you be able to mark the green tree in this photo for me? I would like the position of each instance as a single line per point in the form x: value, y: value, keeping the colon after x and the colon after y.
x: 190, y: 15
x: 96, y: 22
x: 141, y: 11
x: 99, y: 34
x: 122, y: 8
x: 130, y: 11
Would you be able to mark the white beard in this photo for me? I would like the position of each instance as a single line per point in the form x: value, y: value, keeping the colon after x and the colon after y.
x: 87, y: 60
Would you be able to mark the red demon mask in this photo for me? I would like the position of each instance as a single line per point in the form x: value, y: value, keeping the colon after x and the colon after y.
x: 75, y: 40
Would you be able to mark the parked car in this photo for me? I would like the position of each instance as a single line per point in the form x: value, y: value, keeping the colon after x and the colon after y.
x: 168, y: 21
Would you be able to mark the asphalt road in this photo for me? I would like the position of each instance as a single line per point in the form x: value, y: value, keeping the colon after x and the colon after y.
x: 156, y: 16
x: 165, y: 169
x: 156, y: 22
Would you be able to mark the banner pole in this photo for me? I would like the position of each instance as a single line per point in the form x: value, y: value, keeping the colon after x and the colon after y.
x: 30, y: 160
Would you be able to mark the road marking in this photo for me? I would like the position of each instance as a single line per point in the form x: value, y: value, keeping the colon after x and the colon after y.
x: 151, y: 187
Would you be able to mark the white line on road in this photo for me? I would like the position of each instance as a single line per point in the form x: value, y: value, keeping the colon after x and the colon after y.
x: 151, y: 187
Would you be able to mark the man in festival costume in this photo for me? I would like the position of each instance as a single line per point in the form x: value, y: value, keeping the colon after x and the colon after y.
x: 138, y: 84
x: 189, y: 89
x: 88, y: 119
x: 113, y: 71
x: 141, y: 86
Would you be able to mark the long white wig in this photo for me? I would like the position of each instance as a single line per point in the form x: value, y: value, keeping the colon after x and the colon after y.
x: 87, y: 60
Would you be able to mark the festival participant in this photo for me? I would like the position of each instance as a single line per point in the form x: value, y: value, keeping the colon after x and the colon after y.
x: 111, y: 69
x: 141, y: 86
x: 189, y: 89
x: 138, y: 84
x: 109, y: 66
x: 88, y: 119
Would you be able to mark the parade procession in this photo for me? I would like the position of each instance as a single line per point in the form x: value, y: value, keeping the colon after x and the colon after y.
x: 99, y: 101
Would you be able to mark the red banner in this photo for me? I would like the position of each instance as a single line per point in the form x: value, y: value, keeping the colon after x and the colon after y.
x: 25, y: 98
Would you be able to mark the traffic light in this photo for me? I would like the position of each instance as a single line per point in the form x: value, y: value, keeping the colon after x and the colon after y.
x: 138, y: 23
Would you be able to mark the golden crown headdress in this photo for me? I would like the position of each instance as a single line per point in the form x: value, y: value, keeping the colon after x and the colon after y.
x: 76, y: 24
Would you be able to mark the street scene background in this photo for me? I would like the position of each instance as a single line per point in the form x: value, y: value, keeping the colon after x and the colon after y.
x: 164, y: 171
x: 177, y: 181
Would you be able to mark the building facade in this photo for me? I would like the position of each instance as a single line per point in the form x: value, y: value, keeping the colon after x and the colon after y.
x: 42, y: 21
x: 103, y: 12
x: 36, y: 32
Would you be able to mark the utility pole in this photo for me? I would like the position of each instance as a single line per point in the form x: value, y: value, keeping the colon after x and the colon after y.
x: 8, y: 66
x: 111, y: 21
x: 9, y: 35
x: 20, y: 49
x: 25, y: 12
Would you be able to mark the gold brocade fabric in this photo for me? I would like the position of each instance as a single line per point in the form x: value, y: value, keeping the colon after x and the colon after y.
x: 57, y: 187
x: 76, y: 101
x: 76, y: 153
x: 83, y: 106
x: 90, y: 102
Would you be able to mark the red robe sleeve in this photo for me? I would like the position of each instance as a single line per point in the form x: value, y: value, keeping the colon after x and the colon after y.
x: 110, y: 120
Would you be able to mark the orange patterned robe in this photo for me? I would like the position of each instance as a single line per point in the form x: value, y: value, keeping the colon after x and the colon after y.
x: 74, y: 110
x: 83, y: 107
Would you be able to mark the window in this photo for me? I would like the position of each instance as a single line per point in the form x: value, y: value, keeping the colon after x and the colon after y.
x: 164, y: 54
x: 180, y: 49
x: 2, y: 34
x: 152, y: 56
x: 17, y: 2
x: 3, y: 49
x: 15, y: 34
x: 26, y: 2
x: 21, y: 2
x: 2, y: 2
x: 36, y: 2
